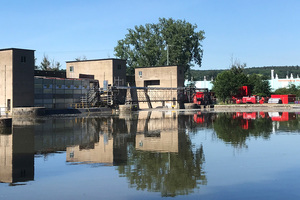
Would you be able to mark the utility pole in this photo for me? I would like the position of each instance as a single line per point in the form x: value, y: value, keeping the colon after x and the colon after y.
x: 167, y: 55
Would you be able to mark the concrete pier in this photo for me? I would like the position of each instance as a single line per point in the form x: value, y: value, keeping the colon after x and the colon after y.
x: 127, y: 108
x: 28, y: 111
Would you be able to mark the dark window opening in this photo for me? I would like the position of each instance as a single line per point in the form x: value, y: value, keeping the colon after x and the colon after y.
x: 152, y: 134
x: 151, y: 82
x: 23, y: 59
x: 89, y: 76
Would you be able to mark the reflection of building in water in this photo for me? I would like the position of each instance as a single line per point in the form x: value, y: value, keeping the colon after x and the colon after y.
x: 157, y: 131
x: 56, y: 134
x: 104, y: 151
x: 17, y: 155
x: 86, y: 137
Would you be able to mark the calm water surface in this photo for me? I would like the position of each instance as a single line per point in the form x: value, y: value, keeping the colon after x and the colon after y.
x: 152, y: 155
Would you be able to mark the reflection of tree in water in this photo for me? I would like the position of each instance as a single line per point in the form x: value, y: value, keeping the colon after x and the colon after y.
x: 169, y: 173
x: 189, y: 121
x: 230, y: 129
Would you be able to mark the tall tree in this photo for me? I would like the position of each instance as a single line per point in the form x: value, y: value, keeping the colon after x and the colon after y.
x: 260, y: 85
x: 169, y: 42
x: 45, y: 64
x: 229, y: 82
x: 48, y: 65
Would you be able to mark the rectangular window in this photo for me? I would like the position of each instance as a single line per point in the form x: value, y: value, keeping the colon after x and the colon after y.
x: 23, y: 59
x: 71, y: 69
x: 151, y: 82
x: 140, y: 74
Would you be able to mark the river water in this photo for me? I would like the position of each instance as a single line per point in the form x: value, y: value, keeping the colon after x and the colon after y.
x: 152, y: 155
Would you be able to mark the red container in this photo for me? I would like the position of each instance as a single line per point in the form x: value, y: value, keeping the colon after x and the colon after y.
x: 285, y: 98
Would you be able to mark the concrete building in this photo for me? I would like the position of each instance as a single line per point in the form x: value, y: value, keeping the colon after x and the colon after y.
x: 111, y: 70
x: 161, y: 77
x: 16, y: 78
x: 277, y: 83
x: 60, y: 93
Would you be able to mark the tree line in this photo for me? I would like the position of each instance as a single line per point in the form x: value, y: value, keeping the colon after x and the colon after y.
x: 281, y: 71
x: 228, y: 83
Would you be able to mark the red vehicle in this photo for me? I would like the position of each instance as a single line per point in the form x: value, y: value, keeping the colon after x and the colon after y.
x: 202, y: 97
x: 251, y: 99
x: 245, y: 96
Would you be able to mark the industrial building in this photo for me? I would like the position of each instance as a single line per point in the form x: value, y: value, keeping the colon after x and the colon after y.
x: 168, y: 77
x: 62, y: 93
x: 16, y: 78
x: 22, y: 86
x: 106, y: 71
x: 83, y: 81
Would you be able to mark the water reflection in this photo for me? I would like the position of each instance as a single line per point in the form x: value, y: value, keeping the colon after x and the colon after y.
x: 236, y: 128
x: 16, y: 155
x: 153, y: 150
x: 163, y: 159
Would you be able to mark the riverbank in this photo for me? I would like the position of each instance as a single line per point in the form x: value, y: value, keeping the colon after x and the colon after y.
x: 35, y: 112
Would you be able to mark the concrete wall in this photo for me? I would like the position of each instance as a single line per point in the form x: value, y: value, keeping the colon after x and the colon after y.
x: 105, y: 69
x: 23, y: 74
x: 6, y: 65
x: 169, y: 76
x: 16, y: 77
x: 165, y: 76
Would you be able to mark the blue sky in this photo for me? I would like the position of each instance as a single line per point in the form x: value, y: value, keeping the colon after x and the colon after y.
x: 255, y: 32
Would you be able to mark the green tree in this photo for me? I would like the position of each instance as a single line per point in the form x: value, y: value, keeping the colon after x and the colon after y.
x: 291, y: 89
x: 176, y: 41
x: 260, y: 85
x: 48, y: 65
x: 45, y: 64
x: 228, y: 83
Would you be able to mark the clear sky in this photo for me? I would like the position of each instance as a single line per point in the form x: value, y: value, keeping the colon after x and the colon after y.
x: 255, y: 32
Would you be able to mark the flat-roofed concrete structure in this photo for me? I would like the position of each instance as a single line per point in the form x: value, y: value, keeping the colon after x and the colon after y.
x: 111, y: 70
x: 160, y: 77
x: 16, y: 78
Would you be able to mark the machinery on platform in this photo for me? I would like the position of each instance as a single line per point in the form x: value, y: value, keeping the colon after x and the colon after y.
x: 245, y: 97
x: 203, y: 97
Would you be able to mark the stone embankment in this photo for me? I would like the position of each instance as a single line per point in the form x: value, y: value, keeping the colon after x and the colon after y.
x: 258, y: 108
